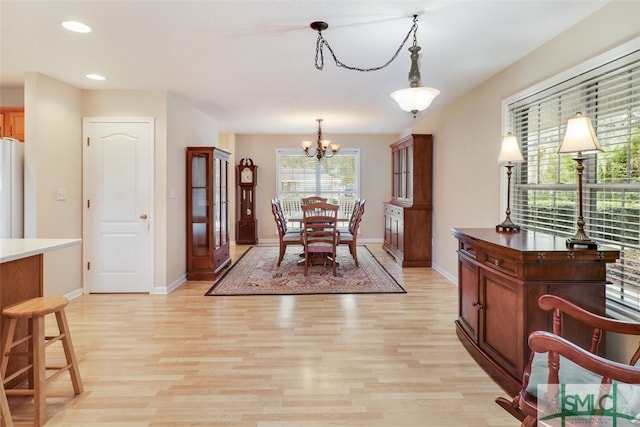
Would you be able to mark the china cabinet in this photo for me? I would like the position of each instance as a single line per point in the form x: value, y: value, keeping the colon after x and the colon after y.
x: 207, y: 212
x: 410, y: 207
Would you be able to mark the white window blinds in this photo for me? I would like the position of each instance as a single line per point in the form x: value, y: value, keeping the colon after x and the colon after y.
x: 545, y: 185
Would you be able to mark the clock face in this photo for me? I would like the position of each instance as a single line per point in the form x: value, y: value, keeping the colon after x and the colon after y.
x: 246, y: 176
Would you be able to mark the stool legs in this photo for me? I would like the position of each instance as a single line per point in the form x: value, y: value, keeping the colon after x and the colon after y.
x: 4, y: 408
x: 69, y: 353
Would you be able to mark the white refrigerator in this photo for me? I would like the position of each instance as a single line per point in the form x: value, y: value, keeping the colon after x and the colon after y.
x: 11, y: 188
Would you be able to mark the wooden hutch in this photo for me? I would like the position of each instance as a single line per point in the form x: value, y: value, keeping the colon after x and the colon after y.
x: 410, y: 207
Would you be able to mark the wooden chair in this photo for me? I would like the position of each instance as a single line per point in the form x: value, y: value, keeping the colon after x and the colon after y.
x: 320, y: 232
x: 286, y: 237
x: 349, y: 236
x: 555, y: 360
x: 312, y: 199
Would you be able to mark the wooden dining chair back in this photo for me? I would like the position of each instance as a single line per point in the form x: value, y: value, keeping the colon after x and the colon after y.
x: 286, y: 237
x: 312, y: 199
x: 349, y: 236
x: 320, y: 233
x: 555, y: 360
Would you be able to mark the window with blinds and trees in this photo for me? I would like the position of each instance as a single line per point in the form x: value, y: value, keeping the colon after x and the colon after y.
x: 544, y: 193
x: 334, y: 178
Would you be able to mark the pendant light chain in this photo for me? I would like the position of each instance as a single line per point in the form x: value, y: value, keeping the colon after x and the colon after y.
x: 321, y: 42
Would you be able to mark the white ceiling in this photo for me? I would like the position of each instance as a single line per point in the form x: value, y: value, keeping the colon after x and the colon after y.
x: 250, y: 64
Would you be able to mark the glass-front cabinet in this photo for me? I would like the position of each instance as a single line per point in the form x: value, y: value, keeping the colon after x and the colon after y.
x: 410, y: 206
x: 207, y: 212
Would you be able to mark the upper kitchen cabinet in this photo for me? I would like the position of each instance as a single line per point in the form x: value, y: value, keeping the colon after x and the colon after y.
x: 12, y: 122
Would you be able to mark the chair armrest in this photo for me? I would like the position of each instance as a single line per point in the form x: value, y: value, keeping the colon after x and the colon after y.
x: 542, y: 342
x: 552, y: 302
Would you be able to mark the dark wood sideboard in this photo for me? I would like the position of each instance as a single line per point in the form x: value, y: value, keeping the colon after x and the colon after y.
x: 501, y: 275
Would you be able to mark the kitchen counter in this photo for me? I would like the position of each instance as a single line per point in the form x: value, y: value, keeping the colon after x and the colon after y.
x: 13, y: 249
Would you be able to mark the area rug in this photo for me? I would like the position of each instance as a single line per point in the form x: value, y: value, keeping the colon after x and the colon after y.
x: 256, y: 273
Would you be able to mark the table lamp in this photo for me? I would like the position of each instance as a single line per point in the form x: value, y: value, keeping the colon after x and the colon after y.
x: 509, y: 155
x: 580, y: 138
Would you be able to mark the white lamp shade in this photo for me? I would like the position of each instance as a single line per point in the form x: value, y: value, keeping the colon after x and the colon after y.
x: 510, y: 150
x: 580, y: 136
x: 415, y: 98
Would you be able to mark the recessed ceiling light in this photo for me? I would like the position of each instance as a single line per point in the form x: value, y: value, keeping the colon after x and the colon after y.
x: 76, y: 27
x: 96, y: 77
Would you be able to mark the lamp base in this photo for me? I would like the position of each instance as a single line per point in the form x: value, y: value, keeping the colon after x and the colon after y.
x: 580, y: 239
x: 507, y: 225
x: 574, y: 243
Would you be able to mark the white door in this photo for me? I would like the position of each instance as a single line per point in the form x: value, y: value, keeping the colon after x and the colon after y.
x: 118, y: 160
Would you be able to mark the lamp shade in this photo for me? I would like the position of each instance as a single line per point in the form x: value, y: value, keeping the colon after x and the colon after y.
x: 510, y: 150
x: 580, y: 136
x: 414, y: 99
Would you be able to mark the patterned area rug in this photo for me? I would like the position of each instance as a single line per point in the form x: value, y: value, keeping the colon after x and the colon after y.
x: 256, y: 273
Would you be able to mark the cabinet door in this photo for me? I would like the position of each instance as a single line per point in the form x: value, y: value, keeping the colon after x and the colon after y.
x: 387, y: 226
x: 16, y: 125
x: 200, y: 205
x: 224, y: 202
x: 2, y: 130
x: 468, y: 301
x: 501, y: 321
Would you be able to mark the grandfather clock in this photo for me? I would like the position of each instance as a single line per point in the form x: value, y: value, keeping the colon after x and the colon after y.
x: 247, y: 223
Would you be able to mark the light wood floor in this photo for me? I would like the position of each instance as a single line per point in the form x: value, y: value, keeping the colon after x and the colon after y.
x: 319, y: 360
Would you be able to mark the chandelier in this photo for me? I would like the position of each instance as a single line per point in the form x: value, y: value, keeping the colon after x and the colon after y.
x: 413, y: 99
x: 324, y: 147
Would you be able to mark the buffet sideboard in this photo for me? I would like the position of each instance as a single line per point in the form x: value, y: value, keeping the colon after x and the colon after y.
x: 501, y: 275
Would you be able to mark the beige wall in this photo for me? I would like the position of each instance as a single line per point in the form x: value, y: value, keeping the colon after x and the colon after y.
x: 53, y: 159
x: 142, y: 104
x: 53, y: 128
x: 375, y: 180
x: 186, y: 127
x: 11, y: 97
x: 467, y: 132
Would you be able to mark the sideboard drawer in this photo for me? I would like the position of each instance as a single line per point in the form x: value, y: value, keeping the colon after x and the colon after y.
x: 502, y: 263
x: 468, y: 248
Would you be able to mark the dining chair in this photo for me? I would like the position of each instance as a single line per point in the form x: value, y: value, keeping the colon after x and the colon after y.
x: 312, y: 199
x: 349, y: 236
x: 286, y: 237
x: 320, y: 233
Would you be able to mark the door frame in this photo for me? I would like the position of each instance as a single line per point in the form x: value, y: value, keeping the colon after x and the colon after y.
x: 88, y: 231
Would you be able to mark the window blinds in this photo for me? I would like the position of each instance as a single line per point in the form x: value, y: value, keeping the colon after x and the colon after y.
x: 545, y: 185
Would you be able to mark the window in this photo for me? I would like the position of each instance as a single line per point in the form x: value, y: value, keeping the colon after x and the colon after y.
x: 544, y: 189
x: 335, y: 178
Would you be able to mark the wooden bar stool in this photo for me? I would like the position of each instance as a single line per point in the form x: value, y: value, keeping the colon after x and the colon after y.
x: 34, y: 310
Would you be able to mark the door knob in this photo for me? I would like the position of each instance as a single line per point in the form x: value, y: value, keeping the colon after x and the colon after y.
x: 143, y: 216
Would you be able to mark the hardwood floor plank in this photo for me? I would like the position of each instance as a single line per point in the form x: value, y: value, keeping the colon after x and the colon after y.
x: 310, y: 360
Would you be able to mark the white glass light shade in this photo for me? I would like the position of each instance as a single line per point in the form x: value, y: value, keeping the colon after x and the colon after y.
x: 306, y: 145
x: 76, y: 27
x: 325, y: 143
x: 335, y: 147
x: 414, y: 99
x: 510, y: 150
x: 580, y: 136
